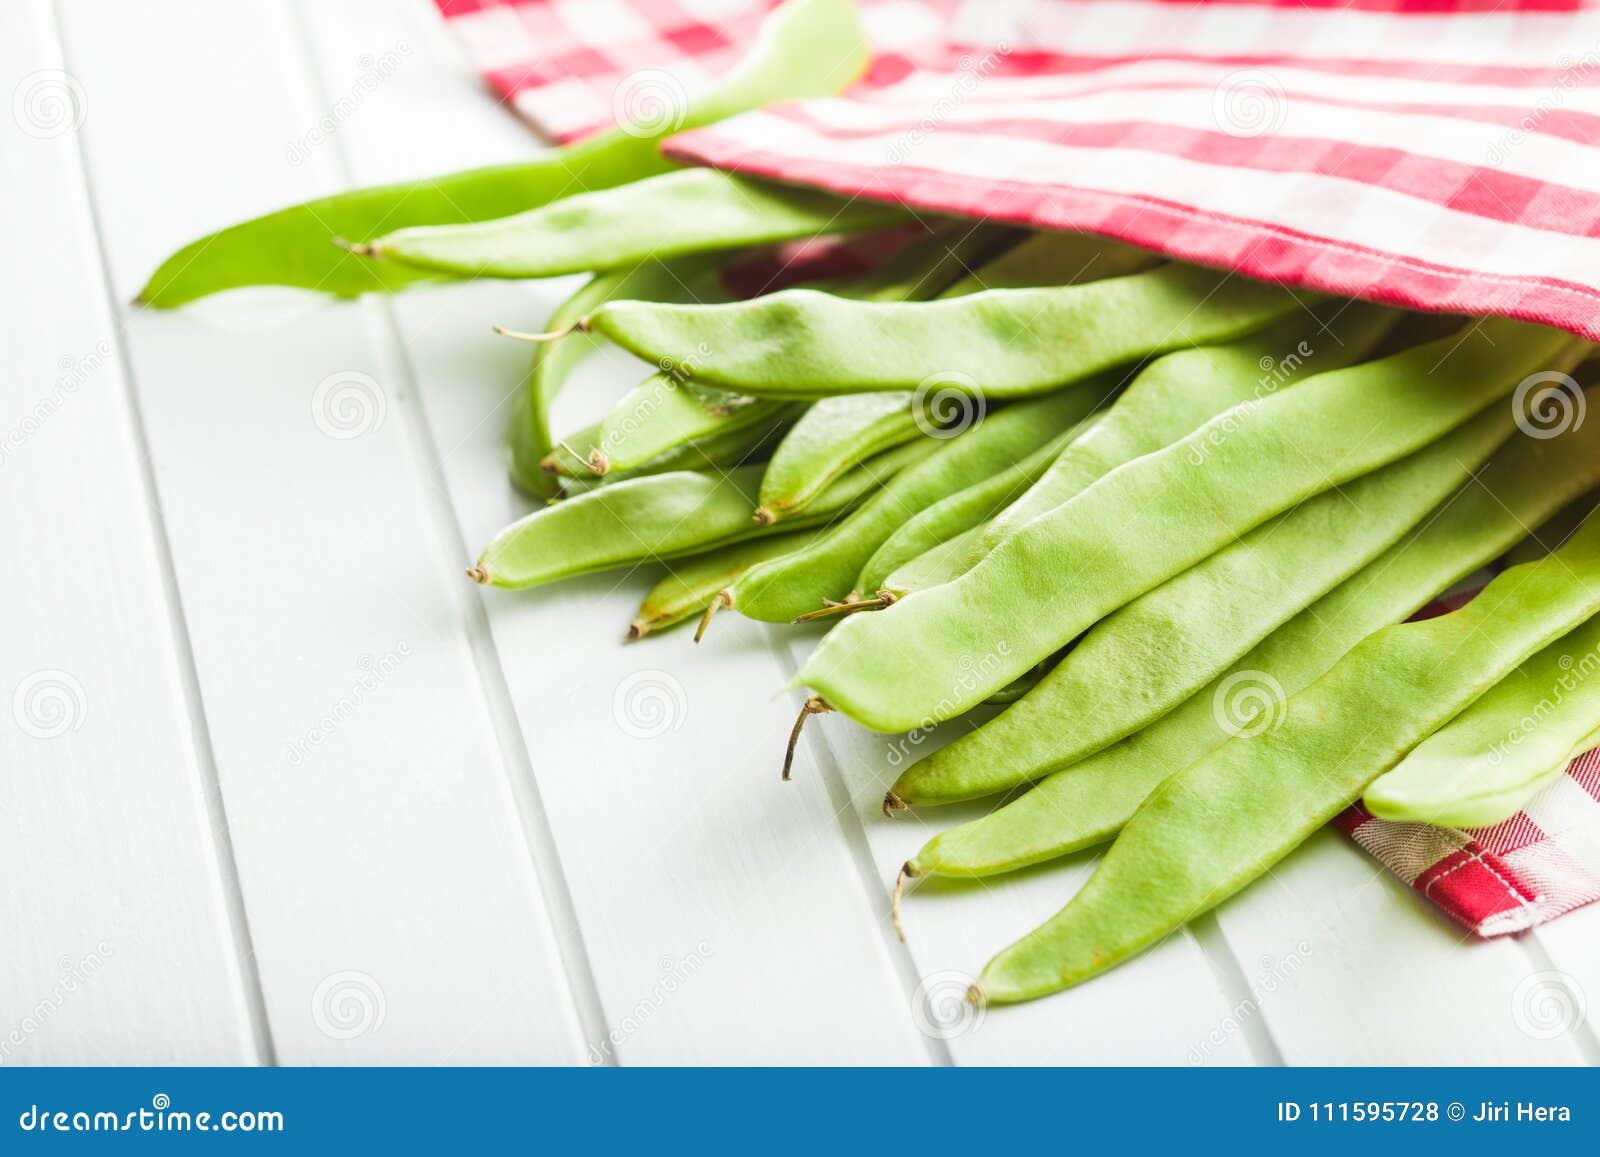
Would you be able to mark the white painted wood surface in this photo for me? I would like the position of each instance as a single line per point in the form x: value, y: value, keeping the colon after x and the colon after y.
x: 322, y: 801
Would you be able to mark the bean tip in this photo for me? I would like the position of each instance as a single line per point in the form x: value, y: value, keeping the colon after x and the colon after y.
x: 723, y: 599
x: 478, y: 575
x: 522, y: 335
x: 906, y: 872
x: 636, y: 631
x: 891, y: 804
x: 359, y: 248
x: 764, y: 517
x: 814, y: 705
x: 597, y: 462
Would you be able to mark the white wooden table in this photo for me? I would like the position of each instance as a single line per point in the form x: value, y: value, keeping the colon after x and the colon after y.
x: 278, y: 785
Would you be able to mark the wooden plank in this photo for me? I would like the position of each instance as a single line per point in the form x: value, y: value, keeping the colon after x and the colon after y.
x: 396, y: 911
x: 723, y: 914
x: 1368, y: 973
x: 116, y: 910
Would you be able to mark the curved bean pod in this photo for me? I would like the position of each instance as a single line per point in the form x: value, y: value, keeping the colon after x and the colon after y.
x: 554, y: 362
x: 1147, y: 657
x: 291, y: 246
x: 1088, y: 803
x: 1175, y: 395
x: 689, y: 587
x: 1224, y: 820
x: 669, y: 409
x: 1482, y: 766
x: 1002, y: 343
x: 690, y: 211
x: 798, y: 583
x: 658, y: 516
x: 961, y: 512
x: 938, y: 652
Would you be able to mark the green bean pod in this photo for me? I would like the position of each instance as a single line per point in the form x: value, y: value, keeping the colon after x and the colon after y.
x: 1177, y: 394
x: 838, y: 432
x: 960, y: 512
x: 662, y: 414
x: 1227, y: 818
x: 743, y: 444
x: 1002, y: 343
x: 658, y: 516
x: 1147, y: 657
x: 674, y: 214
x: 690, y: 585
x: 798, y: 583
x: 1057, y: 257
x: 938, y: 652
x: 1482, y: 766
x: 292, y: 246
x: 554, y: 362
x: 1088, y: 803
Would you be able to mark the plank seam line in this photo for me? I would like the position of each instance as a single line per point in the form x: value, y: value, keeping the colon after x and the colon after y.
x: 538, y: 835
x: 855, y: 837
x: 1235, y: 989
x: 1538, y: 955
x: 210, y: 782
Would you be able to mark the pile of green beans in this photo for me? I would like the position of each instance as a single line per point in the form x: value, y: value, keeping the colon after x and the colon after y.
x: 1170, y: 521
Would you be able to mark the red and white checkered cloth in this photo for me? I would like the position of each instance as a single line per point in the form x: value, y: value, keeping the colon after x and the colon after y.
x: 1434, y: 154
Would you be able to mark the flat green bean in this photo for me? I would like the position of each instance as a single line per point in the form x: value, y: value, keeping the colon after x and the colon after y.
x: 671, y: 215
x: 1175, y: 395
x: 654, y: 517
x: 1087, y: 804
x: 690, y: 585
x: 781, y: 590
x: 938, y: 652
x: 668, y: 408
x: 839, y: 432
x: 805, y: 48
x: 1147, y: 657
x: 1057, y: 257
x: 960, y: 512
x: 554, y: 362
x: 1482, y: 766
x: 1002, y: 343
x: 1225, y: 819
